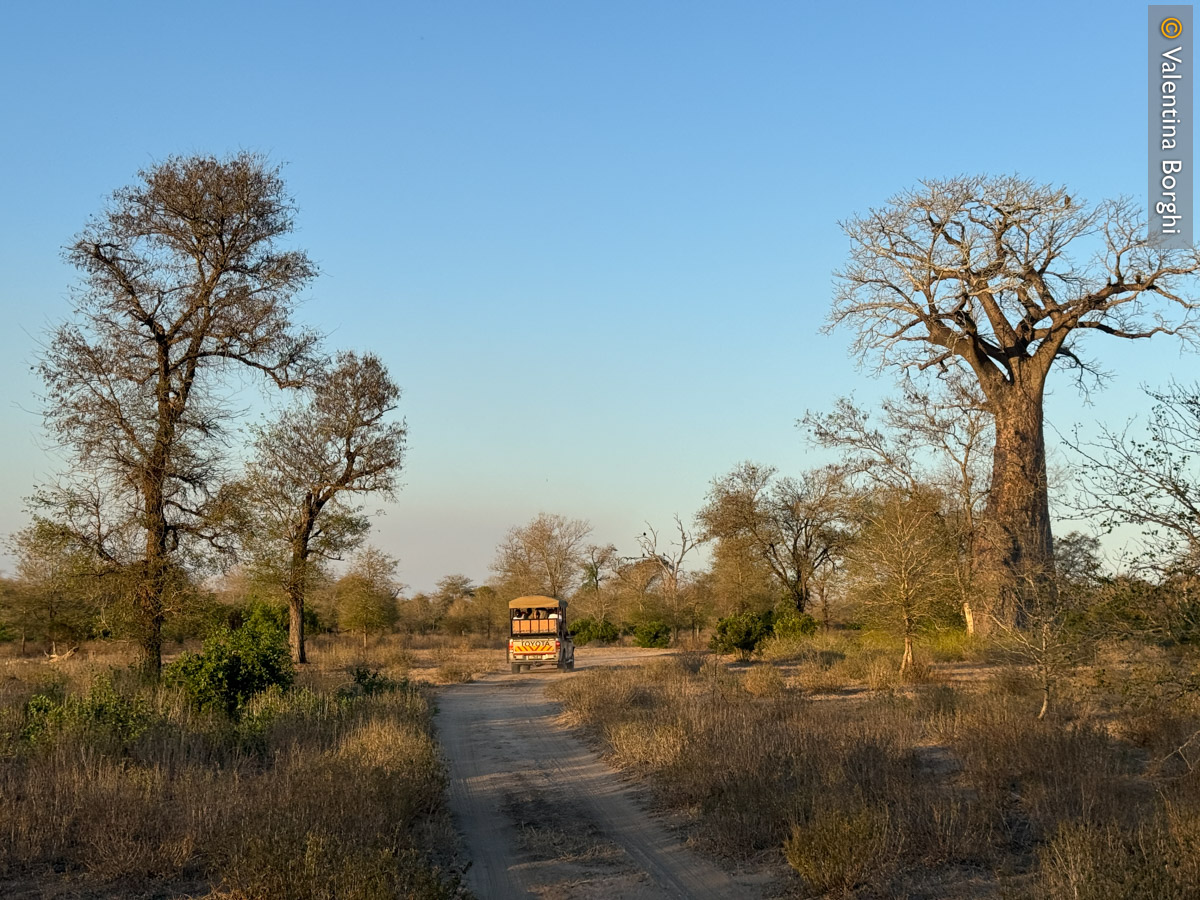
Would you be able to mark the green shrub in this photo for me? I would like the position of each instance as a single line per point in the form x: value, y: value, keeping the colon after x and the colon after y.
x: 234, y: 665
x: 585, y: 630
x: 652, y: 634
x: 368, y: 682
x: 581, y: 630
x: 43, y: 712
x: 103, y: 716
x: 793, y: 624
x: 742, y: 634
x: 265, y: 612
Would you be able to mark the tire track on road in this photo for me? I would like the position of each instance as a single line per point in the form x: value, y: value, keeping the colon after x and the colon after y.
x: 501, y: 735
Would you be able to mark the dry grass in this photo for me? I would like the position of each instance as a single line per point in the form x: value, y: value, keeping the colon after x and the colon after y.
x: 764, y: 681
x: 873, y: 787
x: 318, y: 792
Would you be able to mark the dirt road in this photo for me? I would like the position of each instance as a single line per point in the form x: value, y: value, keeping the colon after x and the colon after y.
x: 542, y: 816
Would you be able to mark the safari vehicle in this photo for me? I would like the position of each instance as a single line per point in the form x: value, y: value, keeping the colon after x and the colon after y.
x: 538, y: 634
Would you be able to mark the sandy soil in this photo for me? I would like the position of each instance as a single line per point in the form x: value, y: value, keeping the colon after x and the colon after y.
x: 541, y: 815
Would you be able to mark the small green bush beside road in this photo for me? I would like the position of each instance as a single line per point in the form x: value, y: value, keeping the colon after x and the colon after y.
x: 742, y: 634
x: 585, y: 630
x: 652, y: 634
x: 235, y: 664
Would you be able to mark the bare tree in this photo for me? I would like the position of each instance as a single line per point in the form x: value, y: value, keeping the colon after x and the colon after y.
x: 672, y: 583
x: 545, y: 557
x: 184, y: 281
x: 597, y: 566
x: 927, y: 437
x: 1054, y: 635
x: 796, y: 525
x: 979, y: 272
x: 596, y: 596
x: 338, y: 442
x: 1151, y: 480
x: 901, y: 564
x: 634, y: 584
x: 739, y: 578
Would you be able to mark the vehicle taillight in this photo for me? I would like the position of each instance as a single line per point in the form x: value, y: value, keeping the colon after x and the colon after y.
x: 510, y: 645
x: 557, y: 644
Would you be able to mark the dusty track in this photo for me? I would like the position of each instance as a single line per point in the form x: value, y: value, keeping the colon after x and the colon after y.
x: 542, y: 816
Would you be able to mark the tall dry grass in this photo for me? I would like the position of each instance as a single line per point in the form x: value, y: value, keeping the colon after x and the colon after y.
x: 120, y: 789
x: 907, y: 789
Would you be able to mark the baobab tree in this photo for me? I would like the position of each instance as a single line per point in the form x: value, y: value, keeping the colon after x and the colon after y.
x: 183, y: 282
x: 1002, y: 277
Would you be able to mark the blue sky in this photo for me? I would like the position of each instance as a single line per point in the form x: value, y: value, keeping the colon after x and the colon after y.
x: 592, y: 241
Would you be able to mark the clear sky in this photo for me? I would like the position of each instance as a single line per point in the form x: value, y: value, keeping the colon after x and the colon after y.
x: 593, y: 241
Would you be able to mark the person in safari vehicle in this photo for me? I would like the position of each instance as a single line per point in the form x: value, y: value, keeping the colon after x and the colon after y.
x: 538, y: 634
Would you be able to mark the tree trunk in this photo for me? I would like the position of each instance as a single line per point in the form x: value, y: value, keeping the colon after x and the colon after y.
x: 906, y: 661
x: 295, y: 592
x: 801, y: 594
x: 296, y: 628
x: 1015, y: 550
x: 150, y: 607
x: 151, y: 587
x: 152, y: 584
x: 1045, y: 701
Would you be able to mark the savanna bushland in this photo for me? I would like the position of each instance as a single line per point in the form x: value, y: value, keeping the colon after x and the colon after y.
x: 891, y: 678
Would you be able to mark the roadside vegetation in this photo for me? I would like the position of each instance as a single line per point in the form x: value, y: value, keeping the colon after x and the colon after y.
x: 940, y: 784
x: 235, y: 778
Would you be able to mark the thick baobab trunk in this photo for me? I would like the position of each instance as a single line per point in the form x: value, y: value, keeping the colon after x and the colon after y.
x: 1015, y: 550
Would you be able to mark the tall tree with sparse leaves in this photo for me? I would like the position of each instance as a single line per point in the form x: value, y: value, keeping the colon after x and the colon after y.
x: 545, y: 557
x: 900, y: 566
x: 795, y: 525
x: 185, y: 281
x: 340, y: 441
